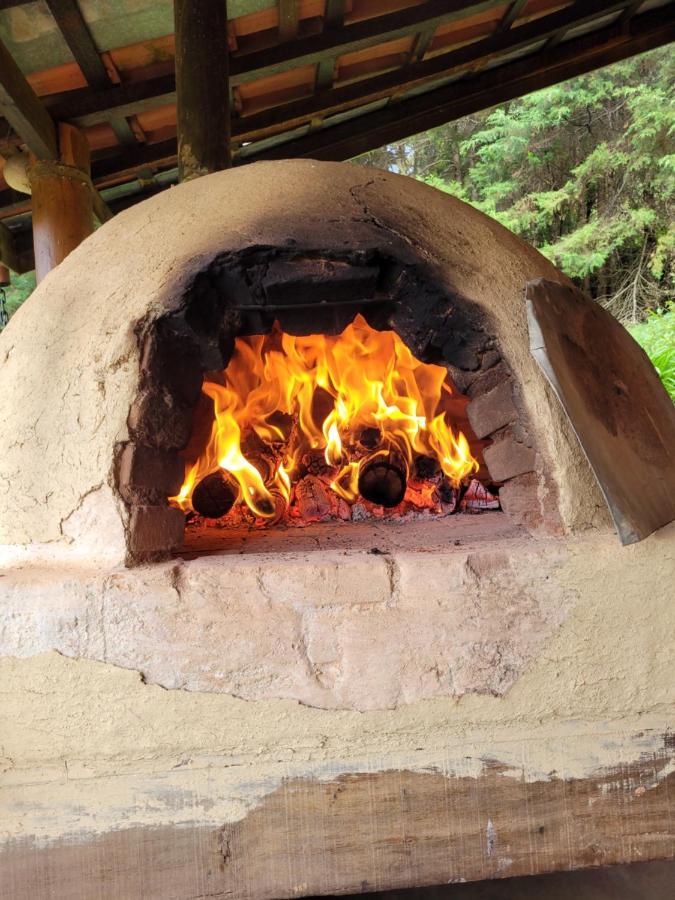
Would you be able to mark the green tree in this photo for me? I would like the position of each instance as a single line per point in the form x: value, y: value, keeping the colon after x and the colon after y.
x: 584, y: 170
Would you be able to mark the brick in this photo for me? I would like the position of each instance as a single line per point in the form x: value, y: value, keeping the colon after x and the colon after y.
x: 489, y: 380
x: 171, y: 359
x: 147, y: 475
x: 155, y: 529
x: 493, y: 410
x: 529, y: 502
x: 507, y: 458
x: 157, y: 420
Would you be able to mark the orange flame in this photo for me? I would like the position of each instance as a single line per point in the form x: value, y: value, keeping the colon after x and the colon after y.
x: 368, y: 379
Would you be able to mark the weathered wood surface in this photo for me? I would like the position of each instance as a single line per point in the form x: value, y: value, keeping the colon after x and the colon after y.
x: 620, y: 411
x: 62, y: 201
x: 24, y: 111
x: 202, y: 87
x: 366, y: 832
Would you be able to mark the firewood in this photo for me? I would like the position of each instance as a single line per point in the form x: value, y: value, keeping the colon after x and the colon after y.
x: 214, y: 496
x: 370, y: 438
x: 383, y: 481
x: 427, y: 467
x: 314, y: 499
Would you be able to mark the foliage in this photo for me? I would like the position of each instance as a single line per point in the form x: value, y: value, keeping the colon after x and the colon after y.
x: 15, y: 293
x: 656, y: 335
x: 584, y: 170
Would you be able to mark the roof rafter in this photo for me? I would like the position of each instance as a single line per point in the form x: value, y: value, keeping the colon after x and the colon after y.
x: 333, y: 41
x: 543, y: 69
x: 23, y: 109
x: 81, y: 44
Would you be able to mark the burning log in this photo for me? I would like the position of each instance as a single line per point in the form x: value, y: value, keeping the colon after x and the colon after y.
x: 214, y: 496
x: 427, y: 467
x: 314, y: 500
x: 383, y: 481
x: 370, y: 438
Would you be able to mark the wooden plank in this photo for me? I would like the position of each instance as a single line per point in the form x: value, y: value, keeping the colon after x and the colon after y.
x: 74, y: 29
x: 618, y: 408
x: 203, y: 93
x: 366, y: 831
x: 516, y: 79
x: 21, y: 107
x: 289, y: 19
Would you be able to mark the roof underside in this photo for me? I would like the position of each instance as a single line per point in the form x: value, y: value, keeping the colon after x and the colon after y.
x: 327, y: 79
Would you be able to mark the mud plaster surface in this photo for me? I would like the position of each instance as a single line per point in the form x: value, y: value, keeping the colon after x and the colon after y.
x: 332, y: 628
x: 87, y: 746
x: 71, y: 351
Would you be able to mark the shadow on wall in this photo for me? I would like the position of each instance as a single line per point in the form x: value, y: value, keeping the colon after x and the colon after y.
x: 639, y: 881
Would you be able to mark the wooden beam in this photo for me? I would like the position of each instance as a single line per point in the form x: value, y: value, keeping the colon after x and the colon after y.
x: 325, y: 69
x: 467, y: 57
x: 366, y: 831
x: 114, y: 168
x: 86, y: 108
x: 512, y: 14
x: 21, y: 107
x: 334, y: 13
x: 81, y: 44
x: 202, y: 87
x: 76, y: 34
x: 289, y: 19
x: 422, y: 43
x: 408, y: 117
x: 357, y: 36
x: 62, y: 201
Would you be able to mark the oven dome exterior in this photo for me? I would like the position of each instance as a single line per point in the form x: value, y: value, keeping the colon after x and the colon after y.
x: 70, y: 357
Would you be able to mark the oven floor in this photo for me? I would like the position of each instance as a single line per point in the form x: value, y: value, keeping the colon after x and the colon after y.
x: 379, y: 537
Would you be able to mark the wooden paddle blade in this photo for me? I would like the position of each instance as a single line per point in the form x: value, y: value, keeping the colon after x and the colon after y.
x: 620, y: 411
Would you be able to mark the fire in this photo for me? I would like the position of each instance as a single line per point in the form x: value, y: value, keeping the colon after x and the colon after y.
x: 282, y: 397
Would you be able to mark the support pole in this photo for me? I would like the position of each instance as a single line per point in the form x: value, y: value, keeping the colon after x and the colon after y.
x: 62, y: 201
x: 202, y: 87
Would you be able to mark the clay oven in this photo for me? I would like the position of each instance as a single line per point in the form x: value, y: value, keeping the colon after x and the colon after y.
x: 108, y: 358
x: 116, y: 363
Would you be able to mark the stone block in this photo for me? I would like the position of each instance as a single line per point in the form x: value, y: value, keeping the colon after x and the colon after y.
x: 147, y: 475
x: 493, y: 410
x: 155, y: 529
x: 508, y: 458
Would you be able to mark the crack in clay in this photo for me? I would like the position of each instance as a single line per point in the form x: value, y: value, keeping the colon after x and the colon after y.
x: 76, y: 509
x: 370, y: 217
x: 394, y: 577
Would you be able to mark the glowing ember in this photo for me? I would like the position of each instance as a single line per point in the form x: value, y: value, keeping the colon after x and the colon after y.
x: 290, y: 407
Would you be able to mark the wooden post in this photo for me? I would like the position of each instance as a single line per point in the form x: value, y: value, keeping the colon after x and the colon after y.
x: 202, y: 88
x: 62, y: 201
